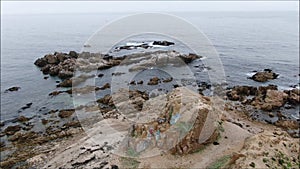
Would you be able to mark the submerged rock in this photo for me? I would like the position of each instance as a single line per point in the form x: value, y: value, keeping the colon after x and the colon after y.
x: 163, y: 43
x: 12, y: 89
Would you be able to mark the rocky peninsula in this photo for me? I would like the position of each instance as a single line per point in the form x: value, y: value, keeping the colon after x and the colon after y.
x: 241, y: 127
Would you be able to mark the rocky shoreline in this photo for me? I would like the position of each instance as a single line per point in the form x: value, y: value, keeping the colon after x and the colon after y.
x: 258, y: 113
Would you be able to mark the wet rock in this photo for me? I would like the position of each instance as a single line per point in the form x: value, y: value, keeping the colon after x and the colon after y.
x: 189, y: 58
x: 54, y: 70
x: 41, y: 62
x: 107, y: 100
x: 65, y: 83
x: 12, y: 89
x: 46, y: 69
x: 117, y: 73
x: 51, y: 59
x: 163, y: 43
x: 100, y: 75
x: 73, y: 54
x: 72, y: 124
x: 11, y: 130
x: 168, y: 80
x: 264, y: 76
x: 44, y: 121
x: 154, y: 81
x: 103, y: 67
x: 66, y: 113
x: 271, y: 115
x: 293, y: 96
x: 28, y: 105
x: 22, y: 119
x: 239, y: 92
x: 132, y: 82
x: 61, y: 57
x: 55, y: 93
x: 140, y: 82
x: 64, y: 74
x: 2, y: 144
x: 105, y: 86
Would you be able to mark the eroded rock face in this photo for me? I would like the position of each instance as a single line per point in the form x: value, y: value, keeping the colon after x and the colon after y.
x: 264, y: 76
x: 181, y: 124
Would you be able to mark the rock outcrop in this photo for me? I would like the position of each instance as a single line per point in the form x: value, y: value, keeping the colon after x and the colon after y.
x: 183, y: 123
x: 264, y: 76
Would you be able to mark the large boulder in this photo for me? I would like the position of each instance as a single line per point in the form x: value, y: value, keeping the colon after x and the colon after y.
x: 180, y: 122
x: 276, y: 98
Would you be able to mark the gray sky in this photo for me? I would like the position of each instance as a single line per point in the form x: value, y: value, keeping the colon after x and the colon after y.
x: 34, y: 7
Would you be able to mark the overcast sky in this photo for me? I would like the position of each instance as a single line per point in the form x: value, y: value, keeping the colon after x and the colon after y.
x: 34, y: 7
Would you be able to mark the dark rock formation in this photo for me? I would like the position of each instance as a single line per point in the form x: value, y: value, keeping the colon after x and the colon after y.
x: 12, y: 89
x: 264, y: 76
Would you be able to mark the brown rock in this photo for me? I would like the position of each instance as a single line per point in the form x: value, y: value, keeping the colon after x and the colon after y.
x: 41, y: 62
x: 105, y: 86
x: 264, y: 76
x: 64, y: 74
x: 287, y: 124
x: 72, y: 124
x: 107, y: 99
x: 22, y: 119
x: 11, y: 130
x: 189, y: 58
x: 44, y: 121
x: 274, y: 99
x: 66, y: 113
x: 65, y: 83
x: 51, y: 59
x: 154, y: 81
